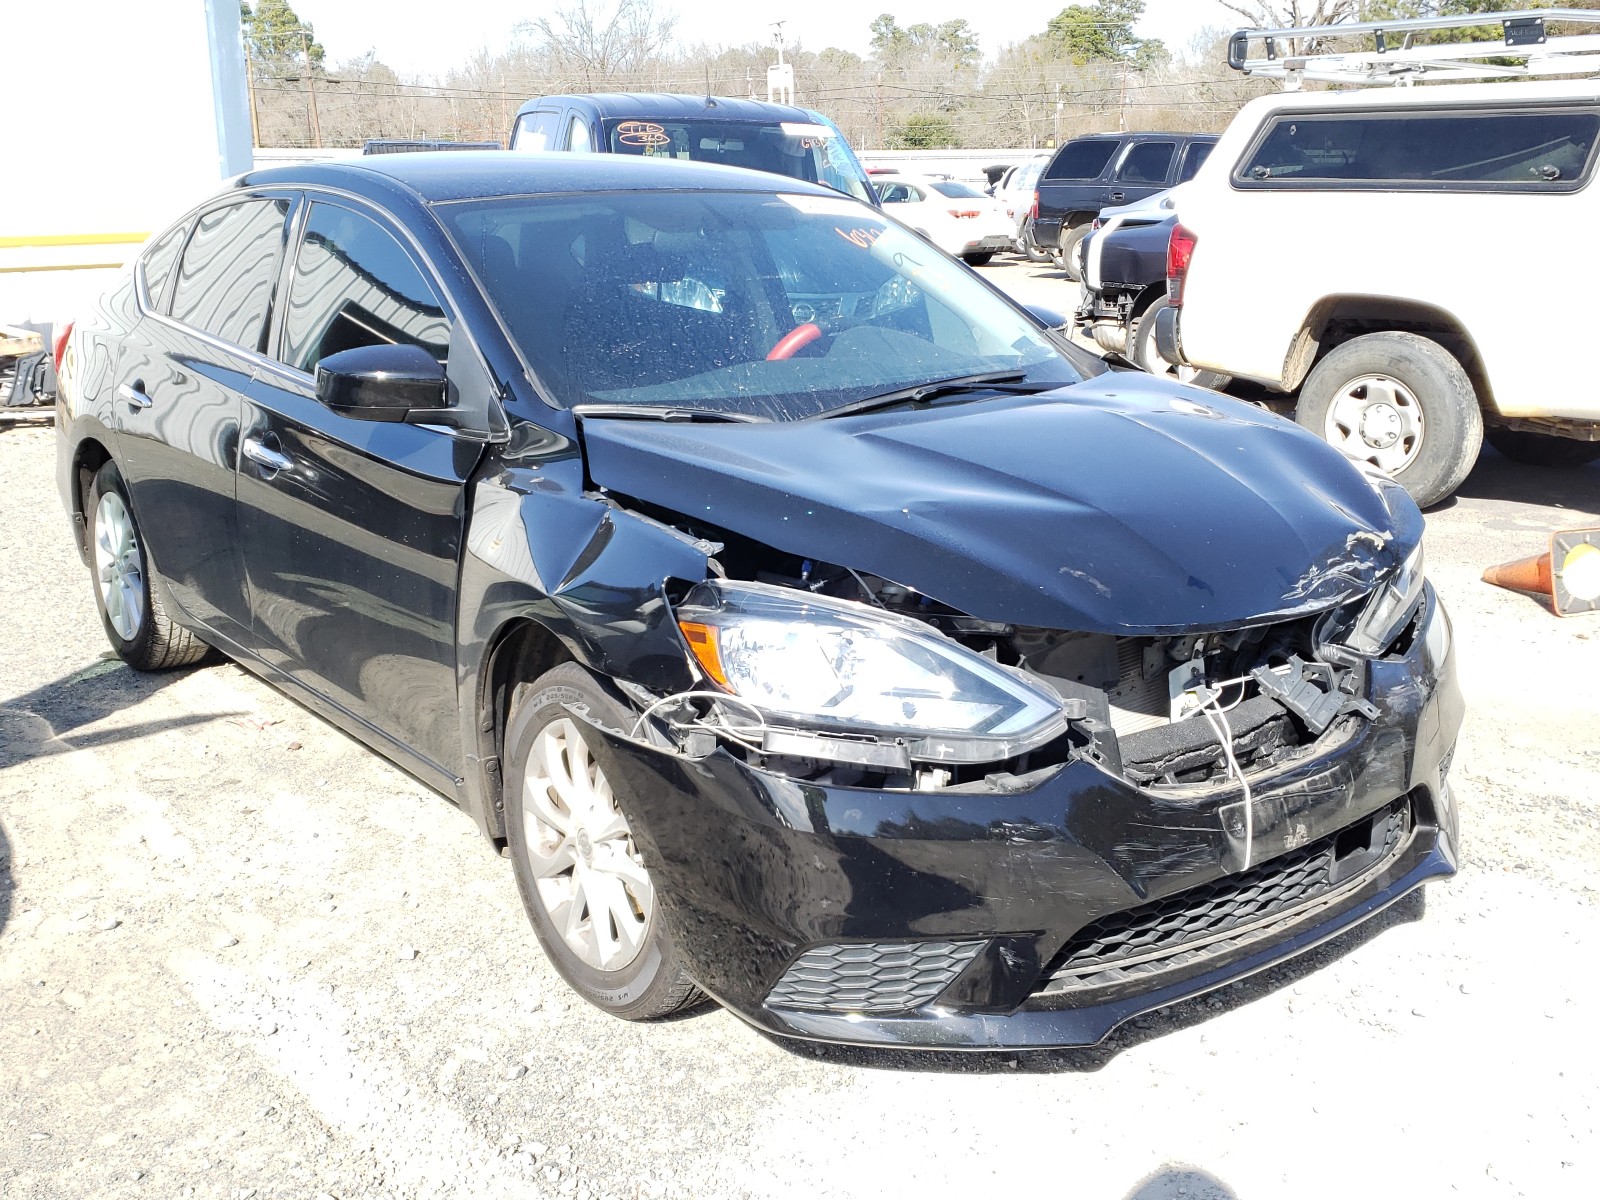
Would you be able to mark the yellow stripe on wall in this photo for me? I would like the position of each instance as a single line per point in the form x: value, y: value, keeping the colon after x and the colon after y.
x: 111, y: 266
x: 74, y: 239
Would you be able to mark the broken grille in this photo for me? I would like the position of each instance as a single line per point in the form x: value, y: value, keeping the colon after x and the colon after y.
x: 1211, y: 921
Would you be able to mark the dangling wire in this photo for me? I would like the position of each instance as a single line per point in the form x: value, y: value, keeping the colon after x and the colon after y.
x: 737, y: 733
x: 1217, y: 717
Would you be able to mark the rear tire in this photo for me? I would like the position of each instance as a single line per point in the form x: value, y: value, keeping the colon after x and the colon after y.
x: 1541, y: 449
x: 978, y: 260
x: 583, y: 881
x: 1067, y: 253
x: 1147, y: 358
x: 1400, y: 402
x: 128, y: 589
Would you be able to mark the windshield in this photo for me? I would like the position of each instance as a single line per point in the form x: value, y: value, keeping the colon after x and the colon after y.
x: 812, y: 152
x: 777, y: 307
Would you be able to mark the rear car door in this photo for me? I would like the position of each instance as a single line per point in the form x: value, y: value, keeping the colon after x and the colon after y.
x: 351, y: 529
x: 183, y: 373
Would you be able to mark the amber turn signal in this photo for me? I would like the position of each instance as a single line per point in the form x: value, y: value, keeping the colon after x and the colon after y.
x: 702, y: 641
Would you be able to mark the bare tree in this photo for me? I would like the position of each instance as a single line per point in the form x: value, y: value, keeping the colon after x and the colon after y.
x: 1297, y: 14
x: 594, y: 41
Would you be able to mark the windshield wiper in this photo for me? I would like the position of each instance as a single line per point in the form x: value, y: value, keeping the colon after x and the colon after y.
x: 661, y: 412
x: 1008, y: 382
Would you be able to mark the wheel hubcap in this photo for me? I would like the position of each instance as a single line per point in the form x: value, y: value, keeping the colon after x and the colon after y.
x: 588, y: 872
x: 119, y: 567
x: 1376, y: 419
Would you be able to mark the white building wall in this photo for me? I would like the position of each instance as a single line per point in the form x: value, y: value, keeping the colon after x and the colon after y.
x: 114, y: 118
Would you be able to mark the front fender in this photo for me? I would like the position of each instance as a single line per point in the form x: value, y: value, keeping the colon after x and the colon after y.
x: 589, y: 574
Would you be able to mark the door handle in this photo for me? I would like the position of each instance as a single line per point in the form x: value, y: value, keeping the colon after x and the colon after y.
x: 264, y: 455
x: 1116, y: 197
x: 133, y: 394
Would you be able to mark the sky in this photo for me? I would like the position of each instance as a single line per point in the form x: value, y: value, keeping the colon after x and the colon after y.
x: 424, y: 37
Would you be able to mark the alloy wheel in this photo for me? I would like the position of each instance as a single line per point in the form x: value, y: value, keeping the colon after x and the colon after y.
x: 1376, y: 419
x: 587, y: 871
x: 119, y: 566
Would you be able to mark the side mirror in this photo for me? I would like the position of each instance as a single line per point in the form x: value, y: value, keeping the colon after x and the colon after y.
x: 383, y: 383
x: 1049, y: 316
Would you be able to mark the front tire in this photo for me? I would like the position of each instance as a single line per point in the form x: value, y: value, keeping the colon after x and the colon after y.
x: 1147, y: 358
x: 127, y: 588
x: 1541, y: 449
x: 1400, y: 402
x: 589, y: 896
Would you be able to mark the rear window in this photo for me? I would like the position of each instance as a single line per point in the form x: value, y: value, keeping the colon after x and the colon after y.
x: 535, y: 130
x: 1193, y: 159
x: 224, y: 283
x: 1147, y: 162
x: 1081, y: 160
x: 158, y: 263
x: 958, y: 190
x: 1468, y: 151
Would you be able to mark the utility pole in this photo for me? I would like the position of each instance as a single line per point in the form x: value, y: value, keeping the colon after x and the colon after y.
x: 255, y: 116
x: 311, y: 92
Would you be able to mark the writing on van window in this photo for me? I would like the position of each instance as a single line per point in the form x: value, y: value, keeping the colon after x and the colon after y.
x: 861, y: 235
x: 642, y: 133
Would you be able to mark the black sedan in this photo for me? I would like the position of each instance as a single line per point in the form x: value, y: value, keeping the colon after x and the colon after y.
x: 817, y: 629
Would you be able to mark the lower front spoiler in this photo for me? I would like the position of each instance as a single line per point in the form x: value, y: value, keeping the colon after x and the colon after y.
x: 1041, y: 1028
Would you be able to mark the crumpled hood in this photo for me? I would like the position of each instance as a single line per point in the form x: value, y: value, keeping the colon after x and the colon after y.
x: 1118, y: 505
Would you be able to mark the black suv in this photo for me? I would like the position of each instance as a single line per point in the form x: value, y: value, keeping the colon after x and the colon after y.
x: 1104, y: 170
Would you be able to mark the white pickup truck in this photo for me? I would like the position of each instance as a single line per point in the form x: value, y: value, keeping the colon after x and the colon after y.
x: 1355, y: 248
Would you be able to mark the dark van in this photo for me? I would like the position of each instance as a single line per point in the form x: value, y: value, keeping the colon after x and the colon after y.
x: 778, y: 138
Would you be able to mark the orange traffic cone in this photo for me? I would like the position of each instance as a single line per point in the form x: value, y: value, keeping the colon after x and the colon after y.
x: 1568, y: 575
x: 1523, y: 574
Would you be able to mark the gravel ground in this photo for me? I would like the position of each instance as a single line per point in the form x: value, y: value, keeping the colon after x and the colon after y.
x: 240, y: 955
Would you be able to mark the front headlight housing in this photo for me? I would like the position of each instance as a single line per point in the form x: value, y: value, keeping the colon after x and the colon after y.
x: 1391, y: 605
x: 842, y: 668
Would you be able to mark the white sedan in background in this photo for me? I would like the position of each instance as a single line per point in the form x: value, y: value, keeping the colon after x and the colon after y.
x: 951, y: 215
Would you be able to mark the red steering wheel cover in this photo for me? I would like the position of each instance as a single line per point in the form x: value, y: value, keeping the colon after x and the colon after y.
x: 800, y: 335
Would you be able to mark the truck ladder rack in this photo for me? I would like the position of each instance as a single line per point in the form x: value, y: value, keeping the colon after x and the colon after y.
x: 1394, y: 59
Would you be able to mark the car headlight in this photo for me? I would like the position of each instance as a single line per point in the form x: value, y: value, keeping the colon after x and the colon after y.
x: 1390, y: 606
x: 839, y: 667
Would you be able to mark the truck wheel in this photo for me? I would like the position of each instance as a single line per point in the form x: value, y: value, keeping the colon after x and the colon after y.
x: 1541, y: 449
x: 1146, y: 358
x: 1067, y: 252
x: 1400, y: 402
x: 1030, y: 248
x: 584, y: 883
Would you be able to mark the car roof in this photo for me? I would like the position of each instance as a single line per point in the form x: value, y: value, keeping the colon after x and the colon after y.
x: 1140, y: 135
x: 470, y: 174
x: 673, y: 106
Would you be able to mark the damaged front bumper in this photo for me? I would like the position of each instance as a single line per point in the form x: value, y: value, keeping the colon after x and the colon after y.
x: 1045, y: 916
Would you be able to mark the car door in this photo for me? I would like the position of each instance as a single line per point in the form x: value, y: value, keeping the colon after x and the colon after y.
x: 183, y: 373
x: 350, y: 529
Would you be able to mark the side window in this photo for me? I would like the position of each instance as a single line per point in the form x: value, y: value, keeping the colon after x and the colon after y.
x: 158, y: 263
x: 535, y: 131
x: 1147, y: 162
x: 1193, y: 159
x: 355, y: 285
x: 1081, y: 160
x: 578, y: 135
x: 1441, y: 150
x: 225, y: 277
